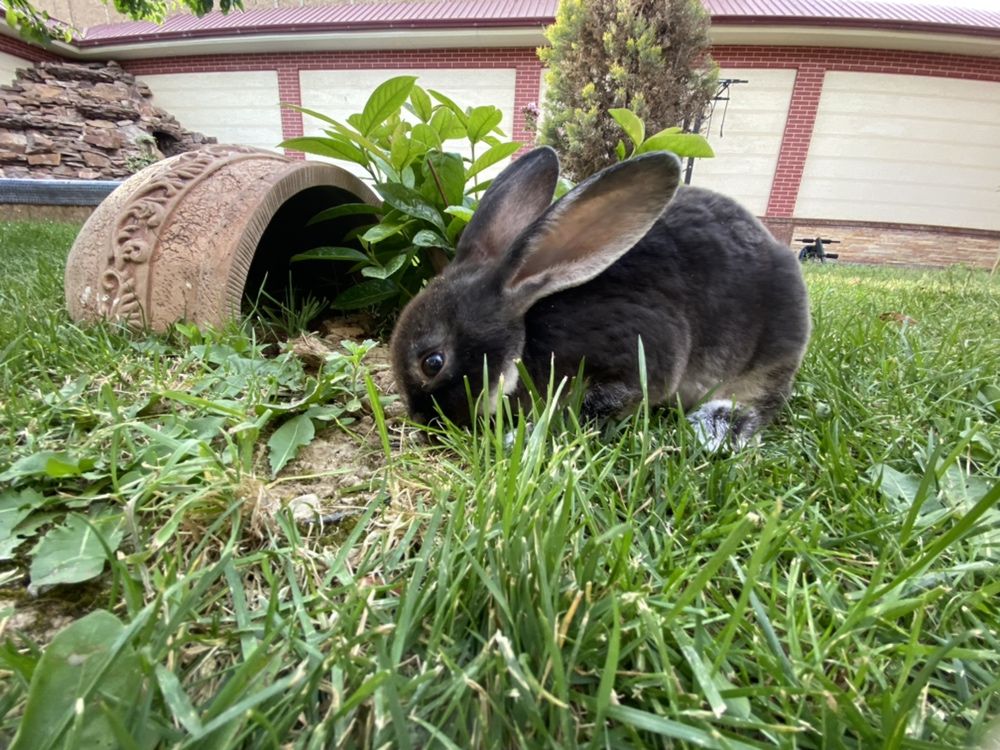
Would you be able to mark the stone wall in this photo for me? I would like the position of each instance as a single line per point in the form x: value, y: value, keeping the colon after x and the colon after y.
x: 90, y: 121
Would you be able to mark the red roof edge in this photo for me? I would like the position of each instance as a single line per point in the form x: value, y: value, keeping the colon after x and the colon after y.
x: 857, y: 23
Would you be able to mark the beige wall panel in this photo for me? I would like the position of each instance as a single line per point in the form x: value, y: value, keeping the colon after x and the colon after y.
x: 8, y: 65
x: 907, y: 149
x: 339, y: 93
x: 748, y: 140
x: 233, y: 107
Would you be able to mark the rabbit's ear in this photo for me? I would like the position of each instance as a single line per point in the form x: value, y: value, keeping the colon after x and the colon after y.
x: 591, y: 227
x: 516, y: 198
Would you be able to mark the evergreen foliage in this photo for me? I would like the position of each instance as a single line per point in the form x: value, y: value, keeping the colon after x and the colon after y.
x: 650, y: 56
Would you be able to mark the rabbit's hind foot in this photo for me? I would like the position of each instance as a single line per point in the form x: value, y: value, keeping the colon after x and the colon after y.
x: 722, y: 424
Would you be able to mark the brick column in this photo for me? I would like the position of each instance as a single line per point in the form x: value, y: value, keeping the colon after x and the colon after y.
x: 527, y: 80
x: 795, y: 141
x: 290, y: 92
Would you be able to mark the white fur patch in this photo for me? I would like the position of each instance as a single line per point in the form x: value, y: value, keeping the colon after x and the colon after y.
x: 713, y: 427
x: 507, y: 384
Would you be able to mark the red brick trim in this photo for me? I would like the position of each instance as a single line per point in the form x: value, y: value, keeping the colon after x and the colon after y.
x: 795, y: 141
x: 290, y: 92
x: 811, y: 65
x: 28, y: 52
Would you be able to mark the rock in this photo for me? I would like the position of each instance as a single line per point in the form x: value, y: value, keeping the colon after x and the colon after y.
x: 43, y: 93
x: 48, y: 159
x: 81, y: 120
x: 36, y: 143
x: 110, y: 92
x: 95, y: 160
x: 105, y: 139
x: 13, y: 142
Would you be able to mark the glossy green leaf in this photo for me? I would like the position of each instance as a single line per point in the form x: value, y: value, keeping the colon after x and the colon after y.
x: 492, y: 156
x: 372, y: 150
x: 446, y: 173
x: 481, y: 121
x: 344, y: 209
x: 447, y: 125
x: 383, y: 231
x: 421, y: 104
x: 310, y: 112
x: 400, y: 150
x: 459, y: 113
x: 427, y: 238
x: 384, y: 272
x: 425, y: 137
x: 331, y: 148
x: 366, y: 294
x: 633, y: 126
x: 410, y: 202
x: 682, y: 144
x: 331, y: 253
x: 385, y: 100
x: 462, y: 212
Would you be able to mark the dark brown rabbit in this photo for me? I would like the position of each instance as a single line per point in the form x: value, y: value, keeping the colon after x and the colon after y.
x: 719, y: 304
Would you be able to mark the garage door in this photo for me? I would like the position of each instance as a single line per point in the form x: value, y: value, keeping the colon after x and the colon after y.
x: 339, y: 93
x: 746, y: 138
x: 907, y: 149
x: 232, y: 107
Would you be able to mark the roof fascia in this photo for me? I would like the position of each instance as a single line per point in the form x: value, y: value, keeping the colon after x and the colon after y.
x: 791, y: 35
x: 310, y: 42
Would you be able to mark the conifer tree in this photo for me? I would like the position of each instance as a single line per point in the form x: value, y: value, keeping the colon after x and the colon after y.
x: 650, y: 56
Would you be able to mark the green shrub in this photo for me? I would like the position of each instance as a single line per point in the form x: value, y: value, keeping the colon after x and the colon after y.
x: 649, y: 57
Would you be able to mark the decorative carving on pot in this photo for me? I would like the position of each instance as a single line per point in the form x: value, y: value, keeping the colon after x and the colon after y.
x: 178, y: 239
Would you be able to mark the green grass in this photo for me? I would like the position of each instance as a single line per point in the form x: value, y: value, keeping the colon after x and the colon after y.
x: 834, y: 587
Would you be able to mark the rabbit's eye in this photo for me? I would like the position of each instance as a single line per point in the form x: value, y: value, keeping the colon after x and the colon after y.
x: 432, y: 364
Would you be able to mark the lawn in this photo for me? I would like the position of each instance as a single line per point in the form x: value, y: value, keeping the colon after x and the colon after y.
x: 176, y: 571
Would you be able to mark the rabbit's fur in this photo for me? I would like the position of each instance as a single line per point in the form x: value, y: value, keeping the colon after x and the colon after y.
x: 719, y: 304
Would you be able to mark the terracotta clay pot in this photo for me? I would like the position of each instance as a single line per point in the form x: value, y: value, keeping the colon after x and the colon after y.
x: 191, y: 237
